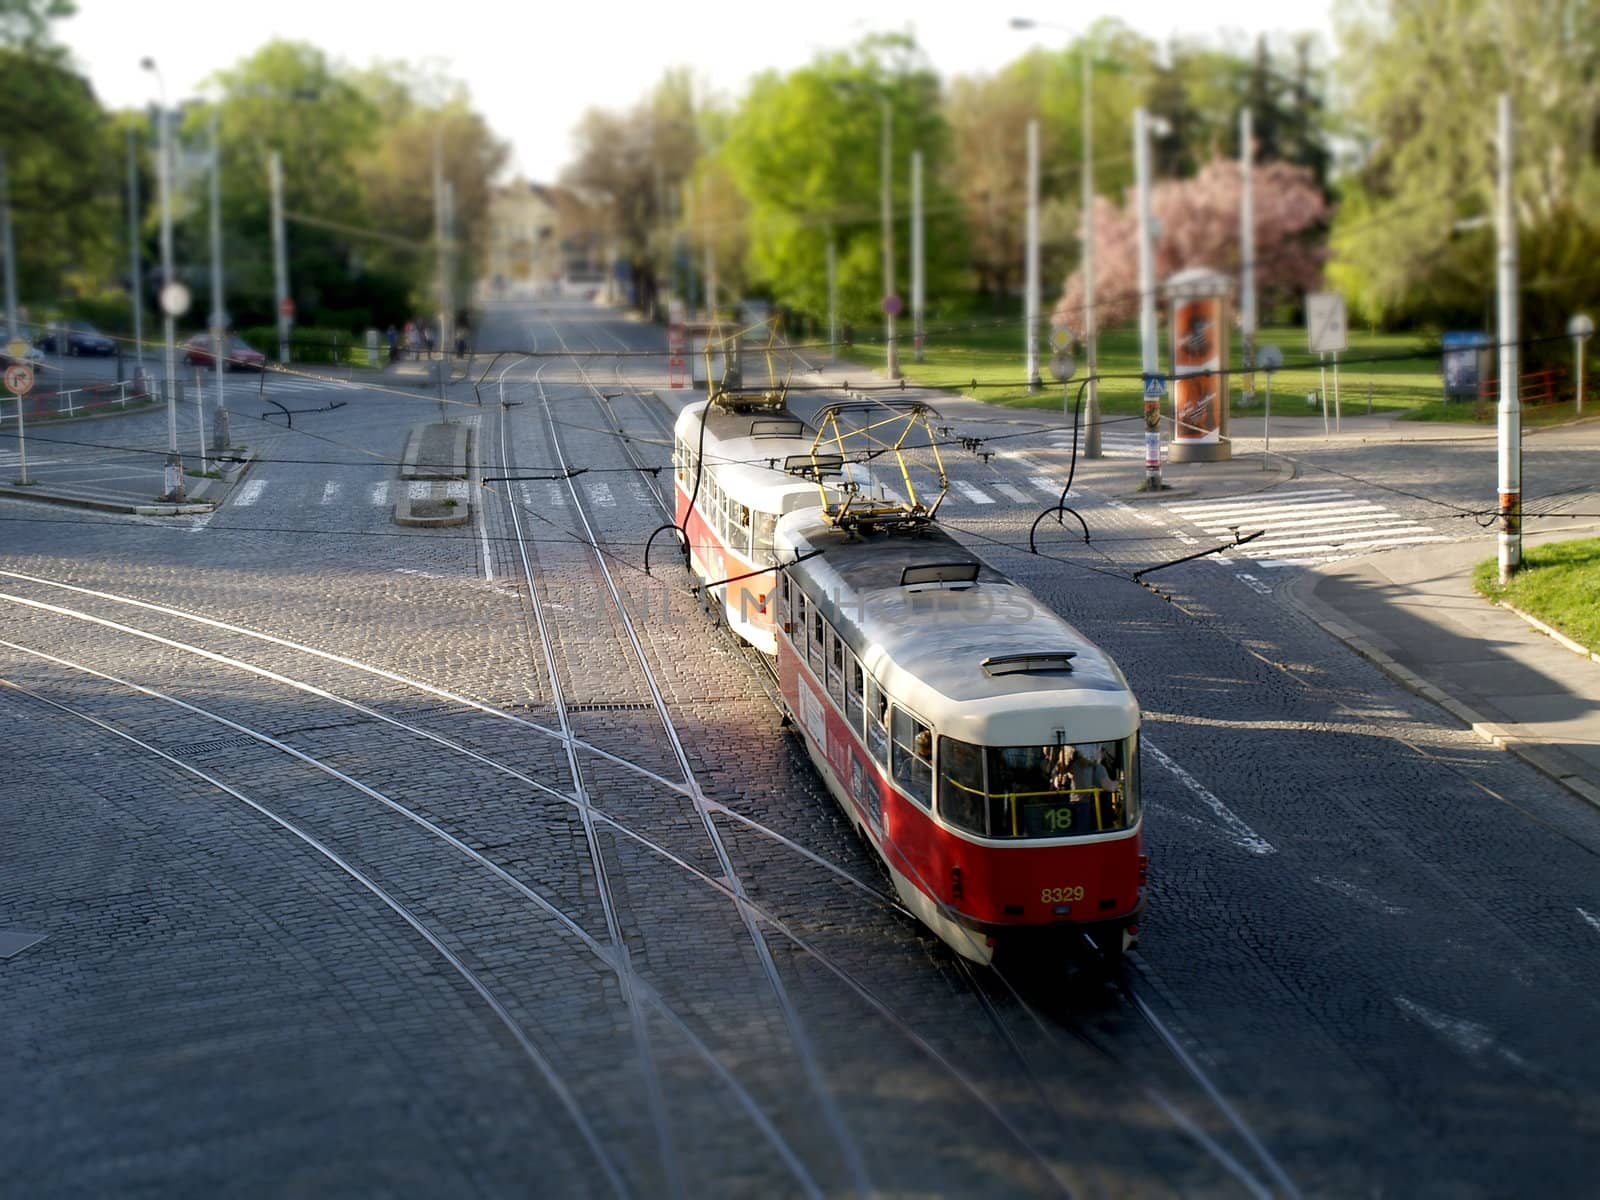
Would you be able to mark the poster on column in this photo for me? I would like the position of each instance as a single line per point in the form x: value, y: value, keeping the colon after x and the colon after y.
x: 1197, y: 386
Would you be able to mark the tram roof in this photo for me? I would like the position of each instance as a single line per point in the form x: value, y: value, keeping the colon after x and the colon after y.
x: 927, y: 644
x: 740, y: 454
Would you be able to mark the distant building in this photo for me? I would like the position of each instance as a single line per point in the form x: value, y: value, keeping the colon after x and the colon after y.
x: 538, y: 235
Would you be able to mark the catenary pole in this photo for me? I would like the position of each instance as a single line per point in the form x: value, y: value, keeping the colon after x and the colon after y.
x: 135, y: 265
x: 833, y: 297
x: 280, y: 256
x: 219, y: 314
x: 1091, y: 334
x: 1510, y: 422
x: 919, y: 278
x: 1247, y: 251
x: 1030, y: 268
x: 885, y: 177
x: 1148, y: 350
x: 12, y: 329
x: 177, y: 492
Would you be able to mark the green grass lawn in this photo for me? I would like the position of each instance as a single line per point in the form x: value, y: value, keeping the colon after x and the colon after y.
x: 1390, y: 371
x: 1558, y: 583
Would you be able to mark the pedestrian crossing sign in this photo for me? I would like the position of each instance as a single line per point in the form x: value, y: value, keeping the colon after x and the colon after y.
x: 1155, y: 387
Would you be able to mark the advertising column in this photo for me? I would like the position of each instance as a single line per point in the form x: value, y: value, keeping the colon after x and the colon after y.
x: 1199, y: 366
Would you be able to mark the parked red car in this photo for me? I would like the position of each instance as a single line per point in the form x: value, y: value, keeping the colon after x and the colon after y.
x: 236, y: 355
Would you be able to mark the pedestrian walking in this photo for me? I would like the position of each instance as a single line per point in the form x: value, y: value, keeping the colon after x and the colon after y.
x: 394, y: 342
x: 427, y: 339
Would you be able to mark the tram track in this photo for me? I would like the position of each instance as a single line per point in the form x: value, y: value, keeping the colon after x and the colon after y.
x: 1279, y: 1181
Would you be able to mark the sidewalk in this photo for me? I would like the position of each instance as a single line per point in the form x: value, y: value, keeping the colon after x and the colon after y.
x: 1415, y: 614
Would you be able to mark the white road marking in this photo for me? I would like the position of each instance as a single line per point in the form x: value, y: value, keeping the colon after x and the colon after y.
x: 330, y: 491
x: 555, y: 493
x: 976, y: 495
x: 1360, y: 895
x: 1594, y: 921
x: 250, y: 493
x: 419, y: 489
x: 1017, y: 494
x: 1251, y: 582
x: 1242, y: 835
x: 600, y: 493
x: 456, y: 489
x: 1471, y: 1038
x: 380, y: 492
x: 1046, y: 485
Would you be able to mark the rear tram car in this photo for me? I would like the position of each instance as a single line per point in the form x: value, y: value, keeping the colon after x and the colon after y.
x: 737, y: 469
x: 985, y: 748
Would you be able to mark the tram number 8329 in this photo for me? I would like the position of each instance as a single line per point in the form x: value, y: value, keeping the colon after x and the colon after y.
x: 1060, y: 895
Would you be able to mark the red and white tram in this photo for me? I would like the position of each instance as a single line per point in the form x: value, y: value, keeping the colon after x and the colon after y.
x: 737, y: 470
x: 987, y: 750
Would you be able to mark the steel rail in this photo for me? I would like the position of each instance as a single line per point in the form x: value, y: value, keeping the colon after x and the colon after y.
x: 551, y: 1077
x: 807, y: 1055
x: 626, y: 976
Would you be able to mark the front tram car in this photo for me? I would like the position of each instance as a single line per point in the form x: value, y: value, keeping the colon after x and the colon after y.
x: 986, y: 749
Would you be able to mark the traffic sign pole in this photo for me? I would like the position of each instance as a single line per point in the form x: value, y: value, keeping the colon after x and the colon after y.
x: 19, y: 380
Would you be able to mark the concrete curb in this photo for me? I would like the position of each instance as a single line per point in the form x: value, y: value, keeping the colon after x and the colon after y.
x: 226, y: 484
x: 1551, y: 632
x: 457, y: 452
x: 1541, y: 758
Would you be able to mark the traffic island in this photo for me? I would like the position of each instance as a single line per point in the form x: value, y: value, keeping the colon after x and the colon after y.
x: 434, y: 491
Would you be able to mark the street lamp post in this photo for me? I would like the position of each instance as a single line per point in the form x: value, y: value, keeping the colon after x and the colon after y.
x: 176, y: 492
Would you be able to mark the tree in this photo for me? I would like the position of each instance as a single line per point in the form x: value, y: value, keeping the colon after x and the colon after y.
x: 55, y: 138
x: 1199, y: 220
x: 633, y: 163
x: 1423, y: 109
x: 804, y: 149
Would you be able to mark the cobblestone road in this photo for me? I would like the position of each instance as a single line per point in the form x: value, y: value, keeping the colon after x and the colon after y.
x: 360, y: 945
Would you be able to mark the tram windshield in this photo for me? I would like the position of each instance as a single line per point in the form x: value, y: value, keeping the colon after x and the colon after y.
x: 1071, y: 790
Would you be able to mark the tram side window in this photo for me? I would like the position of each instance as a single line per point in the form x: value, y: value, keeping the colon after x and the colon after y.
x: 877, y: 722
x: 913, y: 757
x: 766, y: 525
x: 781, y: 616
x: 741, y: 540
x: 854, y: 690
x: 680, y: 460
x: 962, y: 799
x: 801, y: 619
x: 836, y: 654
x: 819, y: 639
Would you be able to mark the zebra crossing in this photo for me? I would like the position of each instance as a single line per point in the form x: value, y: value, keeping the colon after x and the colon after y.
x: 1114, y: 443
x: 1313, y: 525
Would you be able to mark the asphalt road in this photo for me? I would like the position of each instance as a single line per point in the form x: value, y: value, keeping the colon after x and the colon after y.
x: 366, y: 863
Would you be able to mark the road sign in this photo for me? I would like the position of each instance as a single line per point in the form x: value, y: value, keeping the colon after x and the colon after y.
x: 1062, y: 366
x: 892, y: 305
x: 1155, y: 387
x: 19, y: 379
x: 1269, y: 358
x: 1326, y: 332
x: 286, y: 306
x: 175, y: 299
x: 1061, y: 339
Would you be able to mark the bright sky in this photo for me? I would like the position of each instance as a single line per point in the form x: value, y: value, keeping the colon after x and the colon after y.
x: 534, y: 67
